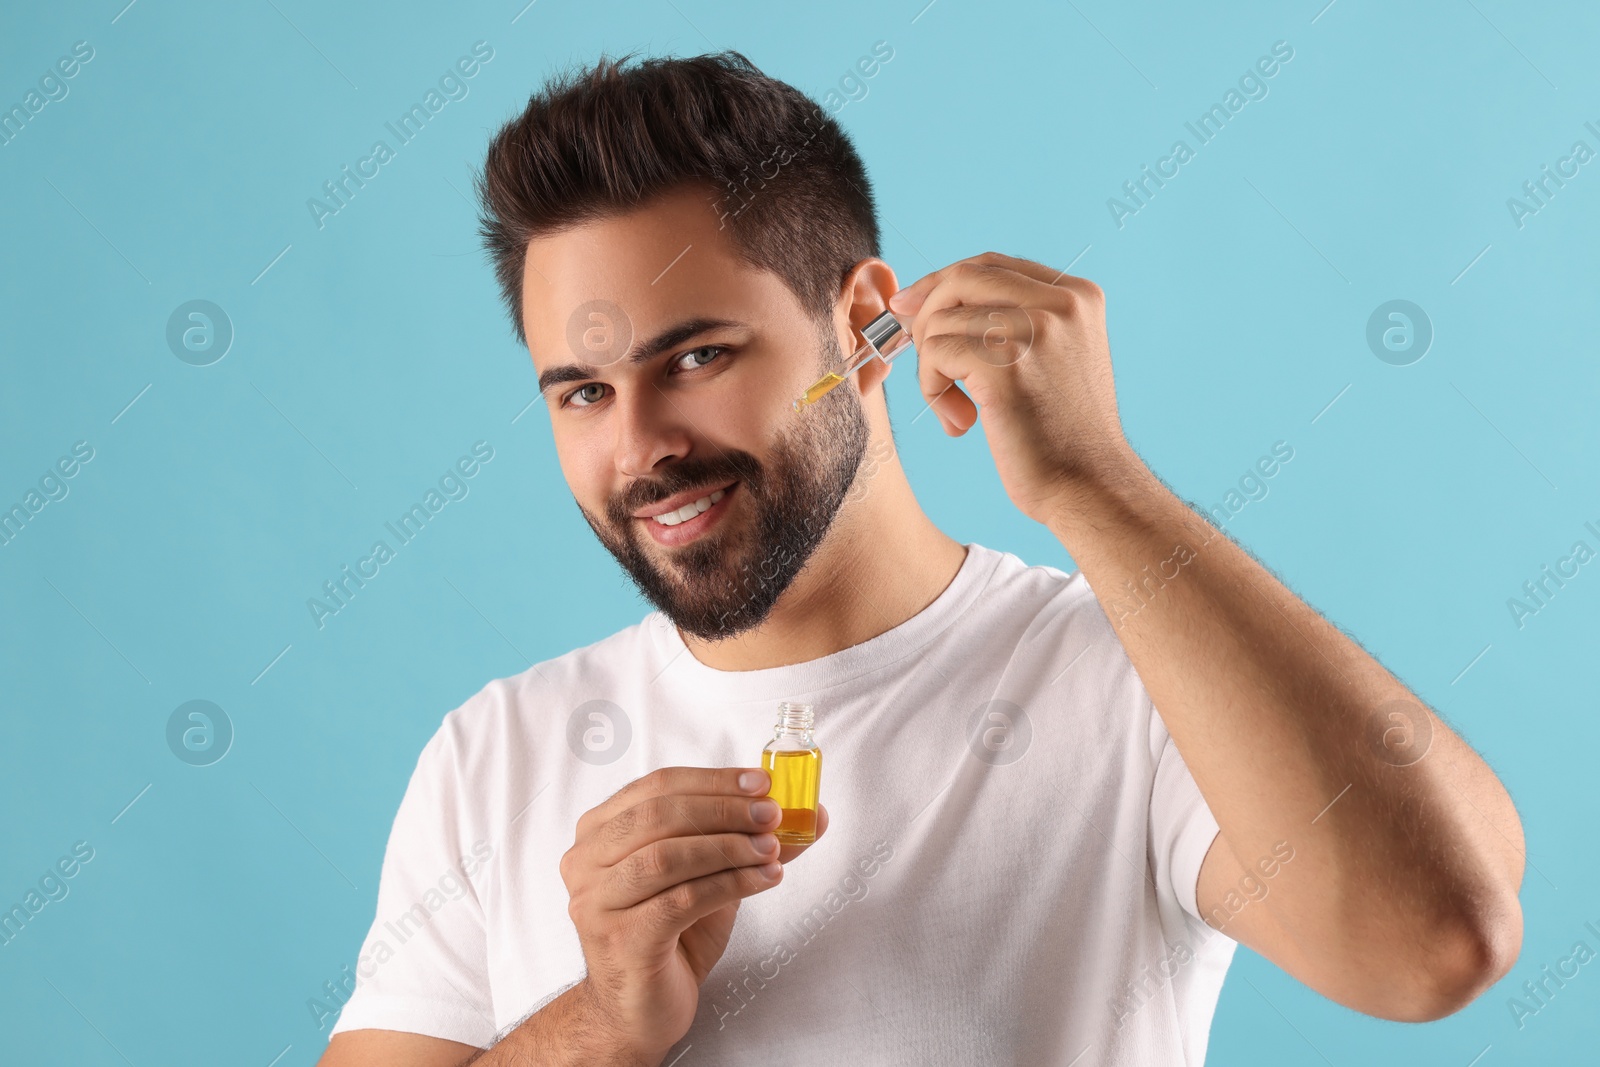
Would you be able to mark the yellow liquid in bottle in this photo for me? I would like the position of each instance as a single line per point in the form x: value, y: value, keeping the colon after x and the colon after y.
x: 796, y: 781
x: 818, y: 390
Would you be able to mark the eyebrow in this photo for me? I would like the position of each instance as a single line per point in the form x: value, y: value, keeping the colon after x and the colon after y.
x: 667, y: 339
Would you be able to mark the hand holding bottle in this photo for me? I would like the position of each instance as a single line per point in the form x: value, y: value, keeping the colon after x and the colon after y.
x: 655, y: 877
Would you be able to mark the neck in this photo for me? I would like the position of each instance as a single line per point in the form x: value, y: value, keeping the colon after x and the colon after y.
x: 882, y: 561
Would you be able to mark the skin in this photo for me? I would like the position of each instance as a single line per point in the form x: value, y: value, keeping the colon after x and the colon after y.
x: 1400, y: 899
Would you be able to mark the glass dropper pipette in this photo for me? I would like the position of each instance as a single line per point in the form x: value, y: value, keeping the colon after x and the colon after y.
x: 885, y: 338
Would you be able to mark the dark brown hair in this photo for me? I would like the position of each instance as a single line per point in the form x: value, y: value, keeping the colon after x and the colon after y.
x: 782, y: 174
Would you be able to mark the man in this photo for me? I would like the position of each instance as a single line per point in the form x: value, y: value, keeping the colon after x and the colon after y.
x: 1057, y: 802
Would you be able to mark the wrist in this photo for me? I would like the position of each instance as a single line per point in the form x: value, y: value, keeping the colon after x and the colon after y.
x: 606, y: 1042
x: 1115, y: 495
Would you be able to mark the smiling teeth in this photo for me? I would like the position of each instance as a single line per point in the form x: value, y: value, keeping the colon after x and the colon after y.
x: 689, y: 511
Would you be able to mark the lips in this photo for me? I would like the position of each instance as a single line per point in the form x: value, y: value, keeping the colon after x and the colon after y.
x: 687, y: 529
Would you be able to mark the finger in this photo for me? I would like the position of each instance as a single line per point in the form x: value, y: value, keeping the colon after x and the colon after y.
x: 989, y: 276
x: 953, y: 408
x: 939, y: 366
x: 704, y: 781
x: 662, y: 817
x: 987, y: 284
x: 996, y: 336
x: 910, y: 298
x: 1037, y: 271
x: 1060, y: 279
x: 660, y: 865
x: 672, y: 911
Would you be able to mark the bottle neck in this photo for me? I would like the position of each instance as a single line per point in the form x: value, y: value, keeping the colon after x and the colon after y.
x: 795, y: 720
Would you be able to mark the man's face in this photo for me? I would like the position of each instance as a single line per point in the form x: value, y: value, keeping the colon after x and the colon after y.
x: 709, y: 409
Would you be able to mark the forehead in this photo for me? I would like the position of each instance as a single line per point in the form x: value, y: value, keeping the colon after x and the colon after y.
x: 640, y: 271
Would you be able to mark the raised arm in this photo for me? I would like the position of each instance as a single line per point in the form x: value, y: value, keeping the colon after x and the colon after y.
x: 1401, y: 897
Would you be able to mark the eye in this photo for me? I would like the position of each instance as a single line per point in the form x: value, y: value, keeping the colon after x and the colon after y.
x: 580, y: 389
x: 580, y: 398
x: 717, y: 350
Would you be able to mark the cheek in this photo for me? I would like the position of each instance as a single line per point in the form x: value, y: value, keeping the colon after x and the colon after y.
x: 584, y: 464
x: 738, y: 409
x: 743, y: 421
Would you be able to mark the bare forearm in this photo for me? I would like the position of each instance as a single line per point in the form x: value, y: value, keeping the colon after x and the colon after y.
x: 567, y: 1032
x: 1273, y: 710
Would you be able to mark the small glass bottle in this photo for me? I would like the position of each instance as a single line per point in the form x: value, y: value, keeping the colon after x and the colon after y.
x: 794, y: 761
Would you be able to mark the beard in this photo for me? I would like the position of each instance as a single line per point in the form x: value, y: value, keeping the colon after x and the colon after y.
x: 726, y: 581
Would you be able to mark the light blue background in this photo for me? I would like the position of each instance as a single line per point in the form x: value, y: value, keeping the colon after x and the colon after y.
x: 374, y: 352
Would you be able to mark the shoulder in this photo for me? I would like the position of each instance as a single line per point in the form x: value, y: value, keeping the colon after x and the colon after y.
x: 520, y: 712
x: 1013, y: 573
x: 1061, y: 644
x: 1040, y: 596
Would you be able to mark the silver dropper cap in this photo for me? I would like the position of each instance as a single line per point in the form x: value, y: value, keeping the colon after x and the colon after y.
x: 886, y: 335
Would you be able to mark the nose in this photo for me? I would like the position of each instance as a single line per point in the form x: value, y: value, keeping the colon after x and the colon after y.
x: 650, y: 431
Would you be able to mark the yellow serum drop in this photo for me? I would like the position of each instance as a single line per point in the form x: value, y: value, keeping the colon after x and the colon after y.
x: 794, y: 761
x: 818, y: 389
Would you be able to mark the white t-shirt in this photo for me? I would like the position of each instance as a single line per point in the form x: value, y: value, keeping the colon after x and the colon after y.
x: 1008, y: 874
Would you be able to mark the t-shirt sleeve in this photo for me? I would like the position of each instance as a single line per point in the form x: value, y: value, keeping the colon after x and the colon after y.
x: 1181, y: 824
x: 423, y: 964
